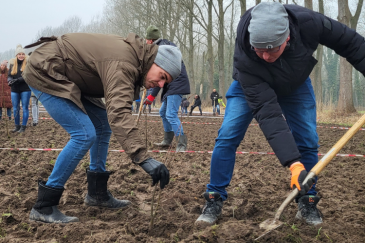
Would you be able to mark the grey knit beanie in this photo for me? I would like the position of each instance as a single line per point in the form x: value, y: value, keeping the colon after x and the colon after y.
x: 169, y: 59
x: 19, y: 49
x: 152, y: 33
x: 269, y: 26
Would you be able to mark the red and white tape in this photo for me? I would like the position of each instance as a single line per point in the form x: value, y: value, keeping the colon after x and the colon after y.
x: 167, y: 151
x: 213, y: 123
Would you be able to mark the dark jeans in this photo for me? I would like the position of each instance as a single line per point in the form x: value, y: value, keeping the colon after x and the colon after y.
x: 193, y: 107
x: 299, y: 109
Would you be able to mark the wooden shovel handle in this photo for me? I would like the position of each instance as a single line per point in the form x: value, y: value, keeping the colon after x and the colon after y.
x: 322, y: 163
x: 338, y: 146
x: 141, y: 105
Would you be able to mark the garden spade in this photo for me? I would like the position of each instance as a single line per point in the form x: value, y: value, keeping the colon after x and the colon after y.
x: 271, y: 224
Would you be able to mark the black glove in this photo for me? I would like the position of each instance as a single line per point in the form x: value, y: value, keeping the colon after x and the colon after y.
x: 12, y: 81
x: 157, y: 171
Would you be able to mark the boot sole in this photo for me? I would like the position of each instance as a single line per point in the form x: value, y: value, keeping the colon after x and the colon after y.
x: 101, y: 207
x: 203, y: 224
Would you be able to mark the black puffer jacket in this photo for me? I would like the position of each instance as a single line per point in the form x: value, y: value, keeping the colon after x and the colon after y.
x: 180, y: 85
x: 197, y: 101
x: 20, y: 85
x: 214, y: 97
x: 262, y: 82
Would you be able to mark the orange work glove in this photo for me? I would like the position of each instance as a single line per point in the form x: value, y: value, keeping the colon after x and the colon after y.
x: 298, y: 174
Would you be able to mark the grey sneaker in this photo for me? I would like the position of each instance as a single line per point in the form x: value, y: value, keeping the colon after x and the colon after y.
x: 211, y: 210
x: 308, y: 211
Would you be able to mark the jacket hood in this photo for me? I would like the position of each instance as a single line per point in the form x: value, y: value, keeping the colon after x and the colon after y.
x: 146, y: 53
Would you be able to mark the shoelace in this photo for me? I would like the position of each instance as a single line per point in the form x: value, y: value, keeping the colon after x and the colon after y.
x: 307, y: 209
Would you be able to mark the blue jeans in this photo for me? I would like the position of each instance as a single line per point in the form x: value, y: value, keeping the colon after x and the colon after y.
x: 169, y: 114
x: 89, y: 131
x: 214, y: 108
x: 24, y: 97
x: 218, y: 110
x: 8, y: 112
x: 184, y: 109
x: 299, y: 109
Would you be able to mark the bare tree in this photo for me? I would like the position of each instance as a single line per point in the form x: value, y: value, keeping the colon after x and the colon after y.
x: 345, y: 100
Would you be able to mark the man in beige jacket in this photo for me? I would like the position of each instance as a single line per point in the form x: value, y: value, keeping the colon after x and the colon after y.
x: 69, y: 75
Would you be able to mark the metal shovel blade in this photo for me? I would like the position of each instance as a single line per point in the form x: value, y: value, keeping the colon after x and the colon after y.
x: 269, y: 225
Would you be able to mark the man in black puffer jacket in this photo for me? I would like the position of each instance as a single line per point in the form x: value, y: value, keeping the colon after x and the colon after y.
x: 272, y: 62
x: 171, y: 98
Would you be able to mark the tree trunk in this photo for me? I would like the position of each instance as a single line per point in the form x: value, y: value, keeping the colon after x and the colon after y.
x: 191, y: 51
x: 317, y: 71
x: 221, y: 49
x: 243, y: 6
x: 210, y: 68
x: 345, y: 101
x: 308, y: 4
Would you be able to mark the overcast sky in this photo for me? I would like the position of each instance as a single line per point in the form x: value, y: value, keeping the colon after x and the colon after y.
x: 22, y: 19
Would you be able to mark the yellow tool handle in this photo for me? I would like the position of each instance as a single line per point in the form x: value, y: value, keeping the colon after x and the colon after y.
x: 338, y: 146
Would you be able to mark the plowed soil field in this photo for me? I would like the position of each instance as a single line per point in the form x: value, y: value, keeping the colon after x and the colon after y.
x: 259, y: 185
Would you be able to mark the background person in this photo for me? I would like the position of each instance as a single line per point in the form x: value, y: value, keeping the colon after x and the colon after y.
x: 197, y: 103
x: 273, y: 59
x: 220, y: 104
x: 149, y: 91
x: 184, y: 106
x: 89, y: 121
x: 19, y: 89
x: 214, y: 97
x: 5, y: 91
x: 171, y: 98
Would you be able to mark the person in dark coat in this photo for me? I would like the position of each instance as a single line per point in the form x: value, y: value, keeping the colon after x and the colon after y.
x: 20, y: 90
x: 5, y: 91
x: 273, y: 58
x: 171, y: 98
x: 184, y: 106
x: 197, y: 103
x: 214, y: 97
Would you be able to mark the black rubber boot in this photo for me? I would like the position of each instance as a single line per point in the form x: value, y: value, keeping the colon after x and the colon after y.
x: 17, y: 128
x: 167, y: 139
x: 45, y: 209
x: 308, y: 211
x: 182, y: 143
x: 22, y: 129
x: 211, y: 210
x: 98, y: 194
